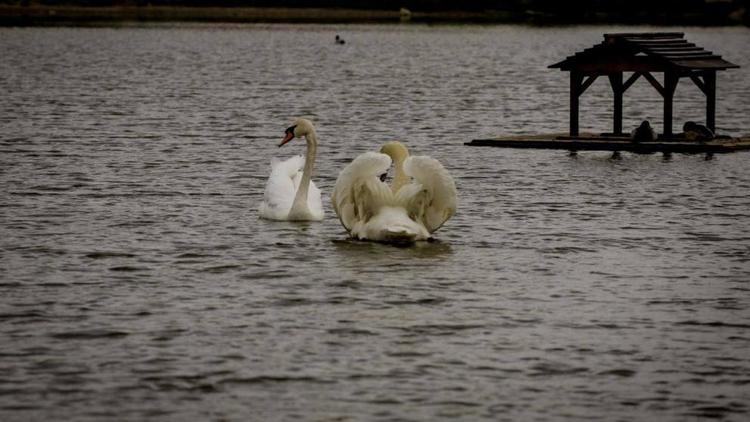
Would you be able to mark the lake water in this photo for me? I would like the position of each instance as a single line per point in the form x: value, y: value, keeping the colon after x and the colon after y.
x: 138, y: 283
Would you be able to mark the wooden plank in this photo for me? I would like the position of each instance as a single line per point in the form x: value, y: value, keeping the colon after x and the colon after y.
x: 704, y: 64
x: 657, y: 41
x: 662, y: 44
x: 631, y: 80
x: 651, y: 65
x: 676, y: 49
x: 703, y: 53
x: 699, y: 83
x: 587, y: 83
x: 692, y: 56
x: 649, y: 77
x: 647, y: 35
x: 538, y: 142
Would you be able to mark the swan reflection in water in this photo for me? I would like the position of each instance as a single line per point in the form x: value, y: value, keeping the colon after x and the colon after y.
x: 350, y: 248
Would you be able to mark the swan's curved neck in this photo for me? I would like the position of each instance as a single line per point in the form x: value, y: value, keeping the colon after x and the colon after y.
x: 300, y: 199
x: 399, y: 177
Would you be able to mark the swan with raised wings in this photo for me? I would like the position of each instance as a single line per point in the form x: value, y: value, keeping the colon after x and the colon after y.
x: 290, y: 193
x: 421, y: 198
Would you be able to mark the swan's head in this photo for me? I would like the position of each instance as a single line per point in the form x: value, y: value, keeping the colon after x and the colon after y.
x: 301, y: 127
x: 396, y: 150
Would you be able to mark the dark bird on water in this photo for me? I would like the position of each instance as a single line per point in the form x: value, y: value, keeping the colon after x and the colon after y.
x: 643, y: 133
x: 695, y: 132
x: 340, y: 40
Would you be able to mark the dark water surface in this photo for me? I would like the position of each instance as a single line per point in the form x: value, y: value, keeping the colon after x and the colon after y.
x: 137, y: 282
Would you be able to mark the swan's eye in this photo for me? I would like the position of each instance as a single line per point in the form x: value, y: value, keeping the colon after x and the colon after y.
x: 290, y: 129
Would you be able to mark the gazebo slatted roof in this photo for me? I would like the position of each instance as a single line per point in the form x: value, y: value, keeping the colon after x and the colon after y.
x: 662, y: 51
x: 642, y: 53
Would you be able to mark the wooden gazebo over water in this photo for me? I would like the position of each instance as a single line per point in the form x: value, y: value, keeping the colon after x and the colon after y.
x: 638, y: 54
x: 644, y: 54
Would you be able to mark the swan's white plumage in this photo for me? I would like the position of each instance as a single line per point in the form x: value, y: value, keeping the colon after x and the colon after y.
x: 290, y: 193
x: 432, y: 195
x: 358, y: 189
x: 368, y: 209
x: 281, y: 188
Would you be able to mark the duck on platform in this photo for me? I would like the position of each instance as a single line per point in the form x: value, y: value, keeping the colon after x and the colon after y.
x: 643, y: 133
x: 695, y: 132
x: 340, y: 40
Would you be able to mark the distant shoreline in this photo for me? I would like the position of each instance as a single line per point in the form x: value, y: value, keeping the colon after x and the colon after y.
x: 40, y: 15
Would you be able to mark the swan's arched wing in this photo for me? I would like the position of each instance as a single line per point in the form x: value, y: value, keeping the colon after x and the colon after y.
x: 431, y: 198
x: 281, y: 187
x: 359, y: 193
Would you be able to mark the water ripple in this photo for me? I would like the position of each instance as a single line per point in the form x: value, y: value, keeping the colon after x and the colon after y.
x: 138, y: 283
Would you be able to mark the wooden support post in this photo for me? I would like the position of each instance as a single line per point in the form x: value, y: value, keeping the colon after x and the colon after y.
x: 615, y: 80
x: 670, y: 84
x: 710, y: 83
x: 575, y: 87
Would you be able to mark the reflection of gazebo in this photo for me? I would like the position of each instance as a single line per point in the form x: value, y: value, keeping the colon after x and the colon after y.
x: 643, y: 53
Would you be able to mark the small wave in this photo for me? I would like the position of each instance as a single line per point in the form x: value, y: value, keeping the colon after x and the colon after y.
x: 717, y: 412
x: 423, y: 301
x: 218, y: 269
x: 89, y: 334
x: 268, y: 379
x: 625, y: 373
x: 109, y: 254
x: 21, y: 315
x: 552, y: 369
x: 195, y: 255
x: 441, y: 329
x: 264, y: 275
x: 127, y: 269
x: 712, y: 324
x: 351, y: 332
x: 293, y: 301
x: 455, y: 403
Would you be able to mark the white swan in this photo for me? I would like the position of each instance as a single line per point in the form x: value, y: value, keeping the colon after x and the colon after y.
x: 406, y: 211
x: 290, y: 194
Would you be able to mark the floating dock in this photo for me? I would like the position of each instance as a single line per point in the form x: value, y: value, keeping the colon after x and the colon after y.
x: 592, y: 142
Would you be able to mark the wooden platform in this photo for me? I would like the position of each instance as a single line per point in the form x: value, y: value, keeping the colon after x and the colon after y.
x: 592, y: 142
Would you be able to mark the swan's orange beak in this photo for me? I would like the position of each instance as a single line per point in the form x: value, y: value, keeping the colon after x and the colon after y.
x: 287, y: 137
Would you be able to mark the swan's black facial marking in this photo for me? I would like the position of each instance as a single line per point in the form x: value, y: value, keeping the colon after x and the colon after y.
x: 288, y: 135
x: 383, y: 176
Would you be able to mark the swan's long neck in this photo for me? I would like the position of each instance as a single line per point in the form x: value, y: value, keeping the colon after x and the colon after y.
x: 399, y: 177
x: 300, y: 199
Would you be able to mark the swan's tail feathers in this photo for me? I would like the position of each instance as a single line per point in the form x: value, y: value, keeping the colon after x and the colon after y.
x: 399, y: 235
x: 392, y: 225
